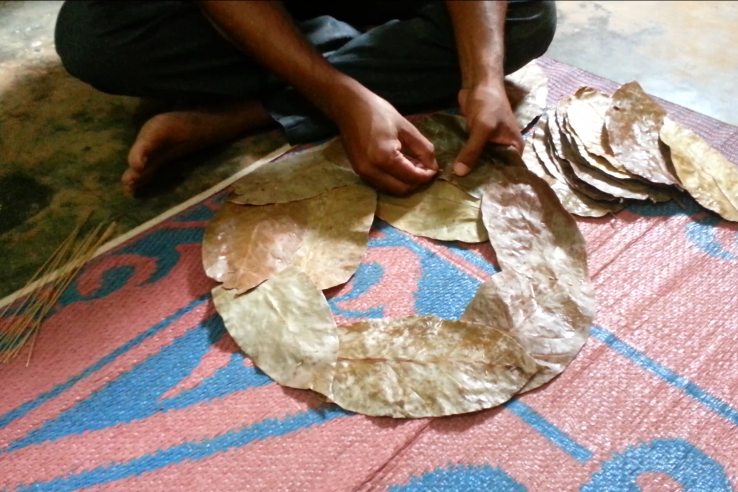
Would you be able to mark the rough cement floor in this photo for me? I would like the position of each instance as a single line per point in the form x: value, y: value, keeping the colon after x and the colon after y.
x: 683, y: 52
x: 63, y: 145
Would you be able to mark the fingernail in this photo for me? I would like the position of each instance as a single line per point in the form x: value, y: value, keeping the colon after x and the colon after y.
x: 461, y: 169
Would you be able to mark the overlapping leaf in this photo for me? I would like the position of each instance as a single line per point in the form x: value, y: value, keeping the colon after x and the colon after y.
x: 633, y: 121
x: 573, y: 201
x: 439, y: 211
x: 295, y: 177
x: 586, y: 115
x: 325, y: 236
x: 544, y: 285
x: 527, y: 91
x: 708, y: 176
x: 590, y: 174
x: 555, y: 150
x: 423, y: 366
x: 285, y: 325
x: 334, y: 151
x: 243, y: 246
x: 448, y: 135
x: 337, y: 234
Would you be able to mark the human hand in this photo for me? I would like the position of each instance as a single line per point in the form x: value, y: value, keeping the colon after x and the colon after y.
x: 384, y: 148
x: 490, y: 119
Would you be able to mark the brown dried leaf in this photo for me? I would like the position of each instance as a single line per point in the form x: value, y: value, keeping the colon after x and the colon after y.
x: 573, y: 201
x: 337, y: 234
x: 296, y: 177
x: 527, y: 91
x: 245, y: 245
x: 543, y: 149
x: 633, y: 121
x: 439, y: 211
x: 334, y: 151
x: 325, y: 236
x: 448, y: 135
x: 474, y: 182
x: 545, y: 287
x: 594, y: 160
x: 592, y: 175
x: 586, y: 117
x: 555, y: 150
x: 423, y: 366
x: 705, y: 173
x: 286, y: 327
x: 602, y: 164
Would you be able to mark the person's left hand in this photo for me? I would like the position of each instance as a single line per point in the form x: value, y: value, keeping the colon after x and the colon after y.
x: 489, y: 119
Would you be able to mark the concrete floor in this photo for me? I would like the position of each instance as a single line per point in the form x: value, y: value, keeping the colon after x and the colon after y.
x: 683, y: 52
x: 63, y: 145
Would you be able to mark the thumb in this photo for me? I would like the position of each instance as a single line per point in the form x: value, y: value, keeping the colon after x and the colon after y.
x: 470, y: 153
x: 518, y: 143
x: 510, y: 136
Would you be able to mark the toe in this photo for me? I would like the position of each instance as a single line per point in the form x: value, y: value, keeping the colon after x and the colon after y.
x: 129, y: 179
x: 137, y: 157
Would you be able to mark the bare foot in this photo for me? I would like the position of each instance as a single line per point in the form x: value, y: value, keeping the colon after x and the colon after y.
x: 169, y: 136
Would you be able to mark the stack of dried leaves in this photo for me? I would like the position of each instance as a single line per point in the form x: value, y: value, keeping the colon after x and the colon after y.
x: 300, y: 225
x: 599, y: 152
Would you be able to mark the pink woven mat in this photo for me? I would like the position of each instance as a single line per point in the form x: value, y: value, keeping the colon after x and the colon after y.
x: 134, y: 384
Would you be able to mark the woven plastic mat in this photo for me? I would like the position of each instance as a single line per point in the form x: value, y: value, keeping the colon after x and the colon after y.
x: 134, y: 384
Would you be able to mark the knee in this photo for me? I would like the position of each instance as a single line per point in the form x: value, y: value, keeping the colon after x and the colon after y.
x: 83, y: 54
x: 529, y: 32
x: 546, y: 26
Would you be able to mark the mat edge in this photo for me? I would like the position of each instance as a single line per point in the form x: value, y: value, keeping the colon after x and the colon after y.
x: 155, y: 221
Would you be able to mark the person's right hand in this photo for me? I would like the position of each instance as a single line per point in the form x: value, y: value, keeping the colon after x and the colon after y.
x: 375, y: 136
x: 490, y: 119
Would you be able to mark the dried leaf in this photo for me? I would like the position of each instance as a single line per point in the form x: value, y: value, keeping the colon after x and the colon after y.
x: 604, y: 165
x: 633, y: 121
x: 705, y: 173
x: 591, y: 175
x: 555, y: 149
x: 545, y: 287
x: 296, y: 177
x: 586, y: 115
x: 245, y: 245
x: 448, y: 135
x: 573, y: 201
x: 593, y: 160
x: 544, y: 151
x: 474, y: 182
x: 423, y: 366
x: 325, y: 236
x: 337, y: 234
x: 520, y: 207
x: 527, y: 91
x: 334, y: 151
x: 286, y: 327
x: 439, y: 211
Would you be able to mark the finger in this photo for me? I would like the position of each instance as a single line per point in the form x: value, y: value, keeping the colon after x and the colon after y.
x: 399, y: 166
x: 518, y: 143
x: 386, y: 182
x: 470, y: 152
x: 419, y: 146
